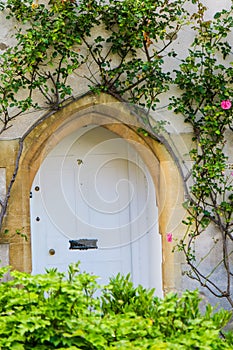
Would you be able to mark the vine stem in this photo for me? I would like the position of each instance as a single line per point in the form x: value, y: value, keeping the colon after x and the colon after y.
x: 4, y: 203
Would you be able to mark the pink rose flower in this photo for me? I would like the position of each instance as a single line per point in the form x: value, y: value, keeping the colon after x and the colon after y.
x: 226, y: 104
x: 169, y: 237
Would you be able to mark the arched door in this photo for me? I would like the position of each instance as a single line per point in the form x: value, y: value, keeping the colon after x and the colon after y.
x: 93, y: 191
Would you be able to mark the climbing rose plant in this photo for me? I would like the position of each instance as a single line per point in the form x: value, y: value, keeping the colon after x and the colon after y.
x: 121, y: 48
x: 205, y: 80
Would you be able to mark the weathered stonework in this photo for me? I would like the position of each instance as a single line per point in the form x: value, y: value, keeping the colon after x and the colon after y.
x: 46, y: 135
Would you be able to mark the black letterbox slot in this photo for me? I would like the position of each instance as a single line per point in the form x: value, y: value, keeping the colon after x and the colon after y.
x: 83, y: 244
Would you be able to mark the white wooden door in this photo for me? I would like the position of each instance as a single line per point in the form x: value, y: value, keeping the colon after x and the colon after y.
x: 94, y: 185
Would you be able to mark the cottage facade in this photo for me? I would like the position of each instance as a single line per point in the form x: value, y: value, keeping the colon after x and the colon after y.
x: 86, y: 173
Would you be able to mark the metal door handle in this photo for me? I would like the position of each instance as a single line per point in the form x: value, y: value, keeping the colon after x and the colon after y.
x: 52, y: 252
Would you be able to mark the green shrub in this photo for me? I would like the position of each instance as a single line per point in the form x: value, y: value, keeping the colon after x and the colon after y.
x: 54, y: 311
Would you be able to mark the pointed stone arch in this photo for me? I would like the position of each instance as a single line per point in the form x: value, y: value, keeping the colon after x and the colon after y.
x: 106, y: 111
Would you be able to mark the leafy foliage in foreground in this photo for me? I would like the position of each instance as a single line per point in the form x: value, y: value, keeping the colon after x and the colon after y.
x: 53, y: 312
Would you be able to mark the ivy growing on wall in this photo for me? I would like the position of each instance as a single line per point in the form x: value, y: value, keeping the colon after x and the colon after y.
x: 122, y: 48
